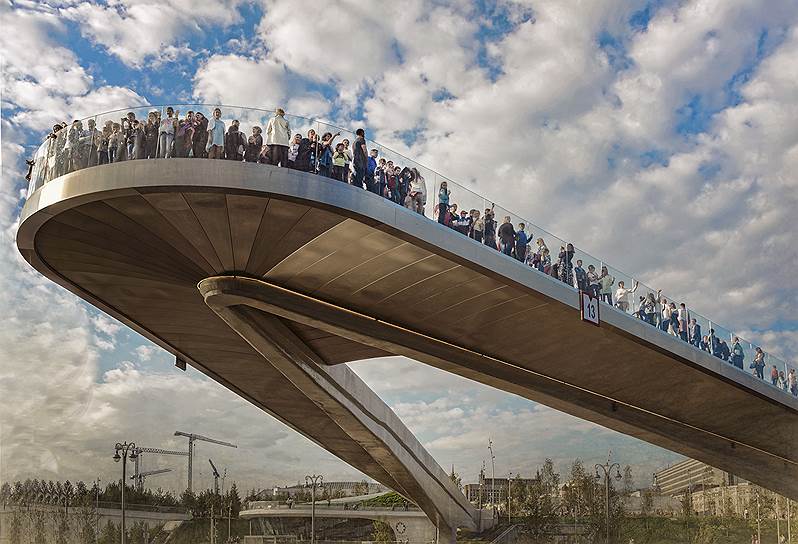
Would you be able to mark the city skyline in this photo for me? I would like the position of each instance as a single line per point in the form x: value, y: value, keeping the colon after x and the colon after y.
x: 659, y: 102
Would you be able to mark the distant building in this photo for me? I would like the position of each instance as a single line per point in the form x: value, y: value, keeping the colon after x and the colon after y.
x: 493, y: 491
x: 691, y: 475
x: 736, y: 501
x: 660, y: 505
x: 333, y: 489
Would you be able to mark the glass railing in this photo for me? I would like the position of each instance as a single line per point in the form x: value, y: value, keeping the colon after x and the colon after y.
x: 328, y: 150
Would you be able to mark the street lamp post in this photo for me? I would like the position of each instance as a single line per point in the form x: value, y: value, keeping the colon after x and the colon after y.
x: 492, y: 478
x: 312, y: 481
x: 509, y: 479
x: 128, y: 452
x: 606, y: 468
x: 97, y: 514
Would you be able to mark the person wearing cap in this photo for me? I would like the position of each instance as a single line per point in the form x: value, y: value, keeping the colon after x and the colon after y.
x: 278, y: 138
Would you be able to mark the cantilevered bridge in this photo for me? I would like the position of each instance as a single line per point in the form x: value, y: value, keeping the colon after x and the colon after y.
x: 266, y: 279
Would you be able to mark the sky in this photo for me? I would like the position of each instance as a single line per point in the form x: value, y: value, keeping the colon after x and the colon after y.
x: 658, y: 134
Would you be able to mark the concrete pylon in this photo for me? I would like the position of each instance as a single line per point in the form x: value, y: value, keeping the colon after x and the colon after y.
x: 355, y: 408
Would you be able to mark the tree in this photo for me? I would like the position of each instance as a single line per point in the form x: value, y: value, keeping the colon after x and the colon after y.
x: 580, y: 490
x: 110, y: 534
x: 382, y: 532
x: 361, y: 488
x: 550, y: 479
x: 455, y: 478
x: 233, y: 500
x: 646, y: 502
x: 628, y: 482
x: 5, y: 493
x: 538, y: 509
x: 15, y: 532
x: 519, y: 493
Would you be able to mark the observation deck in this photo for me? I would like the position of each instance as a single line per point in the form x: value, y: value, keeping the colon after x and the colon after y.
x: 267, y: 278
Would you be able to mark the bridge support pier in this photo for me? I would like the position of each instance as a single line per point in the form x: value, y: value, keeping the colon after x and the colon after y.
x: 403, y: 462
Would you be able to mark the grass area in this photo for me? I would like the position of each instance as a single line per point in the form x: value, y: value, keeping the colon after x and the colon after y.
x: 197, y: 531
x: 705, y: 530
x: 391, y: 498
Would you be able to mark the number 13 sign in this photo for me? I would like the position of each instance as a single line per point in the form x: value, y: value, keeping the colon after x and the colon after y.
x: 589, y: 306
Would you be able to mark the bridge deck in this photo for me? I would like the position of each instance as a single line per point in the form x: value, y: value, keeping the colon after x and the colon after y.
x: 355, y: 277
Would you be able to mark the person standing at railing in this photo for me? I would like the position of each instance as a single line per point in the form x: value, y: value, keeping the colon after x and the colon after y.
x: 371, y: 169
x: 593, y: 282
x: 360, y: 160
x: 184, y: 136
x: 607, y: 281
x: 737, y: 354
x: 71, y: 147
x: 506, y: 236
x: 200, y: 136
x: 348, y: 152
x: 565, y: 266
x: 93, y: 143
x: 521, y: 243
x: 326, y: 156
x: 774, y: 375
x: 338, y: 163
x: 792, y: 382
x: 306, y: 158
x: 166, y: 134
x: 759, y: 364
x: 127, y: 130
x: 102, y: 146
x: 622, y: 296
x: 113, y: 142
x: 379, y: 178
x: 293, y: 149
x: 278, y: 137
x: 683, y: 318
x: 462, y: 223
x: 580, y: 276
x: 216, y: 130
x: 478, y: 226
x: 234, y: 143
x: 648, y: 309
x: 416, y: 189
x: 443, y: 202
x: 151, y: 135
x: 694, y: 333
x: 139, y: 150
x: 489, y: 237
x: 255, y: 144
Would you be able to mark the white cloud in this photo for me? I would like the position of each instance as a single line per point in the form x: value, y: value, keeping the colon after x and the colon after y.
x: 143, y: 32
x: 246, y: 81
x: 145, y: 352
x: 347, y: 46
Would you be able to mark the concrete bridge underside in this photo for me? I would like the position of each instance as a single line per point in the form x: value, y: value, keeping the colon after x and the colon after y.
x: 309, y: 273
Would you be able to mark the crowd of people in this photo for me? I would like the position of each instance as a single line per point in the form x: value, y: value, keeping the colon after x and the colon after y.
x: 72, y: 147
x: 193, y: 135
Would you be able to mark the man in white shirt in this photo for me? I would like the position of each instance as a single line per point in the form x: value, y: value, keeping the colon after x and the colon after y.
x: 278, y: 136
x: 622, y: 296
x: 215, y: 145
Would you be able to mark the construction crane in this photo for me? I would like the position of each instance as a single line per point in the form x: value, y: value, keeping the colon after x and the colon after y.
x: 191, y: 438
x: 156, y: 451
x: 215, y: 478
x: 141, y: 476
